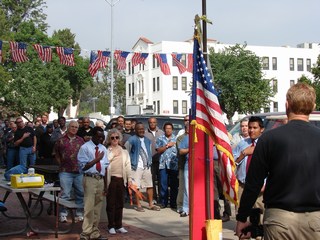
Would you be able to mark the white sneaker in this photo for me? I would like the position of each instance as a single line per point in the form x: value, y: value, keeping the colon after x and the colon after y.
x: 112, y: 231
x: 63, y: 219
x: 78, y: 219
x: 122, y: 230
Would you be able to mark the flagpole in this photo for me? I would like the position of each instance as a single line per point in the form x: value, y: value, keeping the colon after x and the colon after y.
x: 112, y: 109
x: 206, y: 145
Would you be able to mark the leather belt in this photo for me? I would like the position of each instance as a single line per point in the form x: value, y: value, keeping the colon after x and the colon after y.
x: 93, y: 175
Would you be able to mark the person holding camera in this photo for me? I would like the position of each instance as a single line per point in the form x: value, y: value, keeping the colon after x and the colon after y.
x: 288, y: 157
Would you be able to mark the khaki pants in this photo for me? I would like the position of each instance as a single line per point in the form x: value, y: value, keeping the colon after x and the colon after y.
x: 285, y: 225
x: 93, y: 199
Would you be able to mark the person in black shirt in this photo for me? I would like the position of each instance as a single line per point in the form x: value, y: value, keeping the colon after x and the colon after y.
x: 86, y: 130
x: 26, y: 140
x: 289, y: 158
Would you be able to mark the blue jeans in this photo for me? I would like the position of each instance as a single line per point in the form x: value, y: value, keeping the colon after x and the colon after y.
x: 168, y: 176
x: 72, y: 184
x: 12, y: 157
x: 26, y: 156
x: 185, y: 204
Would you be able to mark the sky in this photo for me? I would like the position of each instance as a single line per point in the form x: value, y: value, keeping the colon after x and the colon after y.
x: 265, y: 23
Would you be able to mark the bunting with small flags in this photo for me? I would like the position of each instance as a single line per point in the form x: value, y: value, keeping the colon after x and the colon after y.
x: 98, y: 59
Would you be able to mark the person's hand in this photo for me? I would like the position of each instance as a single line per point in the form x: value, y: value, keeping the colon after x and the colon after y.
x: 239, y: 227
x: 25, y: 135
x: 100, y: 155
x: 249, y: 150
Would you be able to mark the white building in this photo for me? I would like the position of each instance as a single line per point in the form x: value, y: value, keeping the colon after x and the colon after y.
x: 153, y: 91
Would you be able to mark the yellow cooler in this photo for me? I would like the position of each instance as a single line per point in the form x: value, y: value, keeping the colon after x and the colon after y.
x: 26, y: 180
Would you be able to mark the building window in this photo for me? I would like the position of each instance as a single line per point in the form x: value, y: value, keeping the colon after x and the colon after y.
x: 184, y: 107
x: 155, y: 63
x: 132, y: 69
x: 308, y: 64
x: 274, y: 63
x: 175, y: 107
x: 132, y: 89
x: 174, y: 83
x: 154, y: 106
x: 158, y: 107
x: 266, y: 109
x: 158, y: 83
x: 291, y: 62
x: 129, y: 68
x: 275, y: 85
x: 275, y: 106
x: 129, y: 87
x: 265, y: 63
x: 184, y: 83
x: 183, y: 59
x: 300, y: 64
x: 291, y: 83
x: 154, y: 84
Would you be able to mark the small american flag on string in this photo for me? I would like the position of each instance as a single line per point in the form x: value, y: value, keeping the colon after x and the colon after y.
x: 207, y: 114
x: 18, y: 51
x: 162, y: 60
x: 121, y: 57
x: 103, y: 58
x: 0, y: 51
x: 66, y: 56
x: 93, y: 66
x: 190, y: 63
x: 44, y: 52
x: 176, y: 58
x: 139, y: 58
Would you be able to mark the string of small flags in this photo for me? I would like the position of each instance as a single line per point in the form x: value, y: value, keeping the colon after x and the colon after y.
x: 98, y: 59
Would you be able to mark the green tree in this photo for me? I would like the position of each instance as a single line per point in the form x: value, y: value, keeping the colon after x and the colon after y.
x: 19, y: 11
x: 315, y: 83
x: 239, y: 79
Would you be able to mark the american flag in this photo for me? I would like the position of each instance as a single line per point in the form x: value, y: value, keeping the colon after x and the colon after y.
x: 19, y: 51
x: 190, y: 62
x: 176, y: 59
x: 0, y: 51
x: 207, y: 113
x: 66, y: 56
x: 121, y: 57
x: 162, y: 60
x: 139, y: 58
x: 93, y: 66
x: 103, y: 57
x: 44, y: 52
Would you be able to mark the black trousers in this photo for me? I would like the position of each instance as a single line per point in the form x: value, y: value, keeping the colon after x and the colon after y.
x: 115, y: 202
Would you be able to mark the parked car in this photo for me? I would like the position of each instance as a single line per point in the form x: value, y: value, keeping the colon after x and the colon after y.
x: 275, y: 119
x: 92, y: 121
x: 177, y: 122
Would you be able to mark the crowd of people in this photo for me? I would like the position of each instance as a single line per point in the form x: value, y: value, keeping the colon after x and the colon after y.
x: 94, y: 163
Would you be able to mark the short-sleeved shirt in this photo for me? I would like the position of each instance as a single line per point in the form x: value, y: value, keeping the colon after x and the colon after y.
x: 168, y: 158
x: 184, y: 144
x: 68, y: 149
x: 28, y: 141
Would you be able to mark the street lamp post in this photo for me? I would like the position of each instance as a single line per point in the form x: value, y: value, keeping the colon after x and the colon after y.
x: 112, y: 109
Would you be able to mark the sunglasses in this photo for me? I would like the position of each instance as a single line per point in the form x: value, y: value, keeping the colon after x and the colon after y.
x: 113, y: 138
